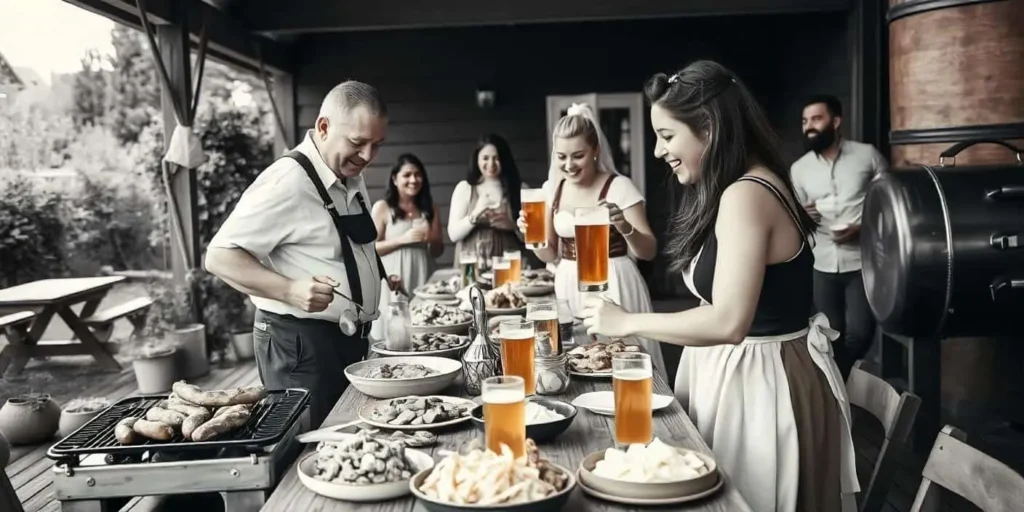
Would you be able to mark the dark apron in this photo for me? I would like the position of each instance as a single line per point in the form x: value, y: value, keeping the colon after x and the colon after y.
x: 313, y: 353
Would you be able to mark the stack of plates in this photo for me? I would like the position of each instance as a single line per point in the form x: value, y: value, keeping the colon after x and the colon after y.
x: 648, y: 494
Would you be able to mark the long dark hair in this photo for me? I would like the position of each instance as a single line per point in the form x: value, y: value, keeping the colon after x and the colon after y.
x: 424, y: 201
x: 708, y: 98
x: 510, y: 180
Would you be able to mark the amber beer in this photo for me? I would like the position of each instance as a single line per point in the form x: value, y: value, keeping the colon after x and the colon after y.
x: 518, y: 350
x: 502, y: 269
x: 592, y: 226
x: 633, y: 386
x: 544, y: 315
x: 535, y: 214
x: 515, y: 259
x: 504, y: 414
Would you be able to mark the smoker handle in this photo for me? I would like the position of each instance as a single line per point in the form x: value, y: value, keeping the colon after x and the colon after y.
x: 1005, y: 192
x: 955, y: 150
x: 1003, y: 283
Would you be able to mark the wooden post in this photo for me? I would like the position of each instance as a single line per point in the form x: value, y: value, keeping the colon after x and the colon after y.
x: 283, y: 94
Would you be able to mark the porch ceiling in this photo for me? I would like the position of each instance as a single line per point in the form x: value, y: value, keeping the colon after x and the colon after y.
x: 309, y: 16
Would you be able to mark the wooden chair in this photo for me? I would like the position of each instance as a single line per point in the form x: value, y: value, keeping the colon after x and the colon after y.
x: 955, y: 466
x: 896, y: 412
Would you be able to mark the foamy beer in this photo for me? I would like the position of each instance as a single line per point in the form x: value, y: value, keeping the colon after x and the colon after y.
x: 592, y: 226
x: 502, y: 269
x: 504, y: 413
x: 536, y: 215
x: 633, y: 385
x: 517, y: 350
x: 544, y: 315
x: 515, y: 258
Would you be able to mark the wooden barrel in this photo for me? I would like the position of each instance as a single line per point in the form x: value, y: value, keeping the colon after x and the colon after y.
x: 956, y: 73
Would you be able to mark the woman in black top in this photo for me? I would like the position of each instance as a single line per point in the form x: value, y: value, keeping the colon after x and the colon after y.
x: 757, y: 377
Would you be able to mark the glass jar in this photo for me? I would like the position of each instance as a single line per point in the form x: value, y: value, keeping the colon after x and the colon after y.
x: 551, y: 374
x: 398, y: 334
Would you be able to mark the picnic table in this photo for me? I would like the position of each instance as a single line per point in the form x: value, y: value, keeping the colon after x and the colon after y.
x: 588, y: 433
x: 29, y: 309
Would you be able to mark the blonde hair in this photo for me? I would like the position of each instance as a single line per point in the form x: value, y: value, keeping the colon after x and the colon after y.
x: 578, y: 121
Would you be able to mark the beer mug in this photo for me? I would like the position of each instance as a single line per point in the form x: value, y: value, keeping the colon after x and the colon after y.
x: 592, y: 225
x: 502, y: 269
x: 544, y: 315
x: 504, y: 414
x: 469, y: 265
x: 518, y: 350
x: 633, y: 387
x: 515, y: 259
x: 535, y: 213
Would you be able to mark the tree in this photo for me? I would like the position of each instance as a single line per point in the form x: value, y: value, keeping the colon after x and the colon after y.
x: 89, y: 91
x: 134, y: 99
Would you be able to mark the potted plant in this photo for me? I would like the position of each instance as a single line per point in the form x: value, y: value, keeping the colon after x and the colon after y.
x: 241, y: 334
x: 79, y: 411
x: 29, y: 419
x: 177, y: 316
x: 224, y: 313
x: 154, y: 351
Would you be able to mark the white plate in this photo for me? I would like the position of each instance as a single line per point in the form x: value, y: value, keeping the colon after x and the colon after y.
x: 535, y: 290
x: 448, y: 370
x: 379, y: 348
x: 592, y: 375
x: 435, y: 297
x: 462, y: 328
x: 603, y: 402
x: 507, y: 311
x: 419, y: 461
x: 364, y: 413
x: 648, y: 502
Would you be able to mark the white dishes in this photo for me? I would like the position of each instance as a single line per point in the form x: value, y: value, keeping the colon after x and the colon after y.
x: 420, y: 461
x: 638, y: 493
x: 451, y: 353
x: 447, y: 371
x: 603, y: 402
x: 535, y: 290
x: 365, y: 411
x: 507, y: 311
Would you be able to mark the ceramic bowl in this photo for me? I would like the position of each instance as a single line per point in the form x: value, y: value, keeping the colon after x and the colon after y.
x: 451, y: 353
x: 447, y: 371
x: 420, y: 461
x: 539, y: 432
x: 636, y: 490
x: 550, y: 503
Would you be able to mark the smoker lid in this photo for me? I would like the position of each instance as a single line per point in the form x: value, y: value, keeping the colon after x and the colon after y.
x: 886, y: 245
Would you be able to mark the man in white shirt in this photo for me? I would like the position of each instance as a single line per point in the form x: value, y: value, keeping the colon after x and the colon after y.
x: 831, y: 181
x: 300, y: 242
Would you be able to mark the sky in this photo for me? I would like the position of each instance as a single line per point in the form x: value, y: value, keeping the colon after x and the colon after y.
x: 50, y: 36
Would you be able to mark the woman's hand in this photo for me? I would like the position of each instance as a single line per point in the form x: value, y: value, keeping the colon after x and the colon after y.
x: 521, y: 222
x: 481, y: 213
x: 617, y: 218
x: 415, y: 235
x: 602, y: 316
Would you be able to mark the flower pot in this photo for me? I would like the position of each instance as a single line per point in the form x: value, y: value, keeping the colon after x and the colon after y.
x: 5, y: 452
x: 191, y: 343
x: 29, y: 419
x: 72, y: 421
x: 243, y: 343
x: 156, y: 372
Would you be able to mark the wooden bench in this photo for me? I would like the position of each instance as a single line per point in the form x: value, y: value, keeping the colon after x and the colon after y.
x: 134, y: 311
x: 16, y: 325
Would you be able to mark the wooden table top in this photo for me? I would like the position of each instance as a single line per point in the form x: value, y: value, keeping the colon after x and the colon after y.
x: 48, y: 291
x: 588, y: 433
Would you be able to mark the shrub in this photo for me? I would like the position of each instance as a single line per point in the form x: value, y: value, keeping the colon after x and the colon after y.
x: 31, y: 233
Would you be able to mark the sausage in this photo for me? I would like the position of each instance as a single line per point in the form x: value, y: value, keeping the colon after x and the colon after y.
x: 123, y: 431
x: 232, y: 409
x: 193, y: 422
x: 220, y: 425
x: 159, y: 414
x: 179, y: 405
x: 220, y: 397
x: 154, y: 430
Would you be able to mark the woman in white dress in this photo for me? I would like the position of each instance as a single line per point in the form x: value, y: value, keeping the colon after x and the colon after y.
x: 408, y: 230
x: 757, y: 376
x: 583, y: 174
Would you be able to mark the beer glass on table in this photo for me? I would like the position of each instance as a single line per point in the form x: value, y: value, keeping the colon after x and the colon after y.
x: 565, y: 325
x: 536, y: 215
x: 504, y: 413
x: 518, y: 350
x: 469, y: 266
x: 515, y: 259
x: 544, y: 315
x: 501, y: 267
x: 592, y: 225
x: 633, y: 386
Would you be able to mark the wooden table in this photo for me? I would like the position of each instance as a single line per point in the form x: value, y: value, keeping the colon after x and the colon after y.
x: 588, y: 433
x: 50, y: 297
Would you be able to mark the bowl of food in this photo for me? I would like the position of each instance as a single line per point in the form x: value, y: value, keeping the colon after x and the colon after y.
x: 393, y: 377
x: 416, y: 412
x: 595, y: 359
x: 652, y: 471
x: 362, y: 467
x: 443, y: 290
x: 434, y: 317
x: 546, y: 419
x: 503, y: 483
x: 436, y: 344
x: 536, y: 282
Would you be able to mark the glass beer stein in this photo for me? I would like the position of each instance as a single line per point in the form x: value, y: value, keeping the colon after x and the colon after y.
x: 544, y: 315
x: 592, y: 230
x: 504, y: 414
x: 633, y: 386
x: 515, y: 259
x: 518, y: 350
x: 536, y: 215
x: 502, y: 269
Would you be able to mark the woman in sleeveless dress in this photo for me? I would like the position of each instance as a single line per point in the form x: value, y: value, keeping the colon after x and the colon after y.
x: 408, y: 230
x: 757, y: 376
x: 582, y: 175
x: 480, y: 220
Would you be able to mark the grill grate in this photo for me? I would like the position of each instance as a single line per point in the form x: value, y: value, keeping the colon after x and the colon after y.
x: 268, y: 422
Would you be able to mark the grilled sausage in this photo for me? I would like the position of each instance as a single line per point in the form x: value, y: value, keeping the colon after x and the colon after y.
x: 232, y: 409
x: 154, y: 430
x: 159, y: 414
x: 220, y: 425
x: 123, y: 431
x: 220, y: 397
x: 193, y: 422
x: 179, y: 405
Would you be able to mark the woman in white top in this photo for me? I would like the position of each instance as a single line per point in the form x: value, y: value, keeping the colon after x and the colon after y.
x: 408, y: 230
x: 482, y: 205
x: 583, y: 174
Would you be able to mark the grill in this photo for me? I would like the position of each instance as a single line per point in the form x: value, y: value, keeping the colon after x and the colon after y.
x: 269, y: 420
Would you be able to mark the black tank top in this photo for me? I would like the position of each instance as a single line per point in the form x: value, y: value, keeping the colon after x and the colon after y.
x: 787, y: 291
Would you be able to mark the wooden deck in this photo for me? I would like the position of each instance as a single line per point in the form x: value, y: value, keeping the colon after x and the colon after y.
x: 29, y: 469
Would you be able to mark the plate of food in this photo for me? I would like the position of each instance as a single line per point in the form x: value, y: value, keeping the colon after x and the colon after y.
x: 392, y: 377
x: 444, y: 289
x: 493, y: 482
x: 362, y: 467
x: 652, y: 474
x: 416, y: 412
x: 536, y: 283
x: 603, y: 402
x: 595, y: 359
x: 434, y: 317
x: 436, y: 344
x: 504, y: 300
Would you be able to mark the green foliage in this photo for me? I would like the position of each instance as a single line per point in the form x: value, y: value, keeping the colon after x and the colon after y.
x: 133, y: 101
x: 31, y: 233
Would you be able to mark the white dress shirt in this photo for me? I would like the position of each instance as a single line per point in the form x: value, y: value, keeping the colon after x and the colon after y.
x: 838, y: 188
x: 282, y: 222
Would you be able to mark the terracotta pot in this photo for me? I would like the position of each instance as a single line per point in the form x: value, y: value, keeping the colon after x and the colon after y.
x: 156, y: 372
x: 5, y: 452
x: 29, y: 419
x: 72, y: 421
x: 243, y: 343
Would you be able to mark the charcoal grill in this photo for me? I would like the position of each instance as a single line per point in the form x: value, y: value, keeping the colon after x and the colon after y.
x: 92, y: 468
